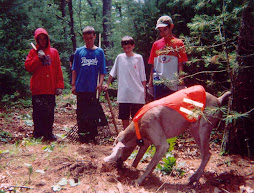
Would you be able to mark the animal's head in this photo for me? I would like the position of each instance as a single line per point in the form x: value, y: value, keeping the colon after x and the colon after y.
x: 116, y: 153
x: 124, y: 145
x: 120, y: 151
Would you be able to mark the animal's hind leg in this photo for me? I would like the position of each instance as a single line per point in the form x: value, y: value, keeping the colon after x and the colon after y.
x: 161, y: 149
x: 202, y: 138
x: 141, y: 153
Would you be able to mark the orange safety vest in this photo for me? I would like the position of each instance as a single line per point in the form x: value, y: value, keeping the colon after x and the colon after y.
x: 189, y: 102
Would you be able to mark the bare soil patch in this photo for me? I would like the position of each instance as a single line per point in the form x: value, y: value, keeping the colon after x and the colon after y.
x: 74, y: 167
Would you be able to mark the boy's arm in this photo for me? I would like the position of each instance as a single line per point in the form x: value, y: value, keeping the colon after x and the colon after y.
x: 73, y: 82
x: 32, y: 62
x: 150, y: 83
x: 101, y: 79
x: 110, y: 78
x: 144, y: 85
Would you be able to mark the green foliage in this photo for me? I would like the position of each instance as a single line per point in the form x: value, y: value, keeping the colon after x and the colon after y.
x: 234, y: 116
x: 151, y: 149
x: 169, y: 164
x: 210, y: 31
x: 49, y: 148
x: 197, y: 23
x: 29, y: 142
x: 15, y: 100
x: 12, y: 76
x: 169, y: 160
x: 171, y: 142
x: 5, y: 136
x: 18, y: 16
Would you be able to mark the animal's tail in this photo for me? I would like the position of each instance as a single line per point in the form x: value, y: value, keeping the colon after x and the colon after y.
x: 224, y: 97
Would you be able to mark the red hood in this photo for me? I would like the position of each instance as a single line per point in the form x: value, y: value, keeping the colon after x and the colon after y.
x: 41, y: 31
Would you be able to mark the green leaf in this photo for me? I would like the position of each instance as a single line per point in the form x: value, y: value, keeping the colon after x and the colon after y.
x: 4, y: 151
x: 62, y: 136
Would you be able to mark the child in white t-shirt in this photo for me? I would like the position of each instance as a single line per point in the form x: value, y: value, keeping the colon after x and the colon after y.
x: 130, y: 72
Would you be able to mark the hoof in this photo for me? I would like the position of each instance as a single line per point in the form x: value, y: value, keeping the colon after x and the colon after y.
x: 194, y: 182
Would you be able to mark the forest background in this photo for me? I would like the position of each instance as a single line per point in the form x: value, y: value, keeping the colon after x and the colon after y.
x: 218, y: 34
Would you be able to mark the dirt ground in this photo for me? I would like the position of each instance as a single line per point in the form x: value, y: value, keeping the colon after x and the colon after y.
x: 68, y: 166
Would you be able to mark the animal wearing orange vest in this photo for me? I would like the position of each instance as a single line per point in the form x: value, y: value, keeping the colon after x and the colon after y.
x: 158, y: 121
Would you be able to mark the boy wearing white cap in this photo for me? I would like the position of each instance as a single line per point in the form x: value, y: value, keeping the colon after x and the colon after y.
x: 167, y: 58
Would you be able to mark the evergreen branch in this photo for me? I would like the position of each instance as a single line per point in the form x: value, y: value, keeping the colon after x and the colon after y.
x: 212, y: 46
x: 246, y: 113
x: 202, y: 72
x: 235, y: 115
x: 206, y: 72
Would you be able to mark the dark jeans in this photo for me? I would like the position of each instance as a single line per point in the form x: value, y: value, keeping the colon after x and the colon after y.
x: 161, y: 91
x: 43, y: 115
x: 128, y: 109
x: 89, y: 115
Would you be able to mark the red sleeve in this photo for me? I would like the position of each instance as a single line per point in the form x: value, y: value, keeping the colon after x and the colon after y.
x: 152, y: 54
x: 32, y: 61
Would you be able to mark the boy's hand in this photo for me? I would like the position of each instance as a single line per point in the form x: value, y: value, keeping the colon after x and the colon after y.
x: 151, y: 90
x: 41, y: 54
x: 73, y: 90
x: 59, y: 91
x: 105, y: 87
x: 99, y: 88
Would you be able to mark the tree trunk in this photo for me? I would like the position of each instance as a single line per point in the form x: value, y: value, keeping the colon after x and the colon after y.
x: 242, y: 135
x: 73, y: 37
x: 63, y: 4
x: 107, y: 4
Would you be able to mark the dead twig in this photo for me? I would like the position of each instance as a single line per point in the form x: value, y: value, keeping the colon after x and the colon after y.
x: 111, y: 110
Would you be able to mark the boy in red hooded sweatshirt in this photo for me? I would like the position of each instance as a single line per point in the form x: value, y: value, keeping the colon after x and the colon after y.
x: 46, y: 82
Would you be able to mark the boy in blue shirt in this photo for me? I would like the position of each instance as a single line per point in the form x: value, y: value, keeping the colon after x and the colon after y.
x: 89, y: 63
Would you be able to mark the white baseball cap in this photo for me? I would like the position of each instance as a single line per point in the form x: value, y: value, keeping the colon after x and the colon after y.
x: 164, y: 21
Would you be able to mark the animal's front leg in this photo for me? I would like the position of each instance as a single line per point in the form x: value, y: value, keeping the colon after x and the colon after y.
x: 141, y: 153
x: 160, y: 152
